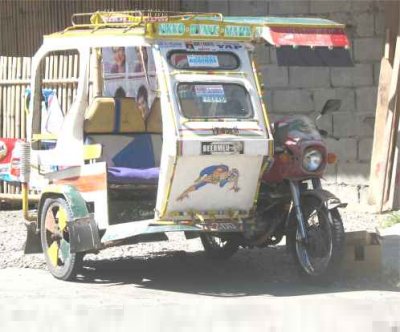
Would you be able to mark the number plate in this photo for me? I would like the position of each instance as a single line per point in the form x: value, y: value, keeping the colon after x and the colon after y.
x: 209, y: 148
x: 222, y: 227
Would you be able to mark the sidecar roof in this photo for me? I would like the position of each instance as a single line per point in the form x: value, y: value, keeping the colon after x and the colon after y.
x: 299, y: 40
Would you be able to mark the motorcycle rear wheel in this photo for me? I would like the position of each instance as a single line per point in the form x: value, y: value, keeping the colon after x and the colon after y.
x: 217, y: 248
x: 319, y: 258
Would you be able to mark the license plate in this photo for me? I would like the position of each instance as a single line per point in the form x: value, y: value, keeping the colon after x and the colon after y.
x: 212, y: 148
x: 222, y: 227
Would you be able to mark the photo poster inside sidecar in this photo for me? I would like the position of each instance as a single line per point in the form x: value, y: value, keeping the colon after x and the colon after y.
x: 124, y: 74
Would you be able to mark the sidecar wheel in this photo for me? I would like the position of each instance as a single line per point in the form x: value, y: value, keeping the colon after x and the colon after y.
x: 218, y: 248
x: 61, y: 263
x: 319, y: 260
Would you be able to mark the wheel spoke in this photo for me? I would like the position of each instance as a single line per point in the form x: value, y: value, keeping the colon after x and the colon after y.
x: 65, y: 250
x: 50, y: 221
x: 62, y: 218
x: 52, y: 252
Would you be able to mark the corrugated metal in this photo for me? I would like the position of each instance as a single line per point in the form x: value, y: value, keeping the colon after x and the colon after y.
x: 24, y: 22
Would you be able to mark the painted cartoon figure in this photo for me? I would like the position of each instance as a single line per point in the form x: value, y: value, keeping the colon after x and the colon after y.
x: 215, y: 174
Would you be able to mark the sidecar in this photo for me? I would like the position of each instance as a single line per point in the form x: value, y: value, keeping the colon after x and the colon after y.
x: 166, y: 130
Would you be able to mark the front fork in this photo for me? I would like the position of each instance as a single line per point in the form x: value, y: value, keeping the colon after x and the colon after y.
x: 295, y: 190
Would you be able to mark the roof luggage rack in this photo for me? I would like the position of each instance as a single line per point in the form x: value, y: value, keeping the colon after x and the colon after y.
x: 133, y: 18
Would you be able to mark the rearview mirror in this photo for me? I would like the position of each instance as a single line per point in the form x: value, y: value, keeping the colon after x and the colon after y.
x: 331, y: 105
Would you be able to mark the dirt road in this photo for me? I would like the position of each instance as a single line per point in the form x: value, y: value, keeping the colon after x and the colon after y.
x: 170, y: 286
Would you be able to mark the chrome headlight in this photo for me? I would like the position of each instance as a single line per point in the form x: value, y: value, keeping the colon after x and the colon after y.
x: 312, y: 160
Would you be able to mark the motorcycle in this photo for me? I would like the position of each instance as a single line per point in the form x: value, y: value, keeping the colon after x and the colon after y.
x: 292, y: 203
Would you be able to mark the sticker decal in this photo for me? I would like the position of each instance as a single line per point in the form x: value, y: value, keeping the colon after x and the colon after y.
x: 211, y: 93
x: 202, y: 60
x: 215, y: 174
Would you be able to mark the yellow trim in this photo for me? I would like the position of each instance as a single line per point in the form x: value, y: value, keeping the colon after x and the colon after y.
x: 54, y: 189
x: 40, y: 137
x: 259, y: 90
x: 25, y: 203
x: 92, y: 151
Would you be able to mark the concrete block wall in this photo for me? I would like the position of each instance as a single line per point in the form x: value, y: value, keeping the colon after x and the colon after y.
x: 304, y: 90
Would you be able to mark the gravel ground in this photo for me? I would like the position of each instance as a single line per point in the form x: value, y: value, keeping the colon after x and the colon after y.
x: 179, y: 255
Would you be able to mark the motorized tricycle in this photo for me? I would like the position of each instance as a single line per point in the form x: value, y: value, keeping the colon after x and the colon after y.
x: 166, y: 130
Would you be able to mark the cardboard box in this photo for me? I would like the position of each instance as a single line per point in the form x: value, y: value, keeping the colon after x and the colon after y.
x: 363, y: 253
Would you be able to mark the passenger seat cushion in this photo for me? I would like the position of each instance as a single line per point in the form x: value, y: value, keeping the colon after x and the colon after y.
x: 132, y: 175
x: 154, y: 121
x: 113, y: 115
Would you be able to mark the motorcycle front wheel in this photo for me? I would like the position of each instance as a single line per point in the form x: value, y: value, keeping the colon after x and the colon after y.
x: 319, y: 258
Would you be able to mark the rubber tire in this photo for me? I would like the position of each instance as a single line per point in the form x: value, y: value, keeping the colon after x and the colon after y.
x: 333, y: 268
x: 76, y: 259
x: 220, y: 253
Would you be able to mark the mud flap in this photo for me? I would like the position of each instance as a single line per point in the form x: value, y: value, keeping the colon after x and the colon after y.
x: 84, y: 235
x: 33, y: 244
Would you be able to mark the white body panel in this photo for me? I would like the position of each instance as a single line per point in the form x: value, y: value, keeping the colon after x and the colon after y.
x: 192, y: 178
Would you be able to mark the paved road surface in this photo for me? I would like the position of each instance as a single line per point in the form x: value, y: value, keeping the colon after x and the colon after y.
x: 181, y: 291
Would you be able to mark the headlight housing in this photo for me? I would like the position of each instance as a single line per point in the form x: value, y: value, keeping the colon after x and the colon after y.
x: 312, y: 160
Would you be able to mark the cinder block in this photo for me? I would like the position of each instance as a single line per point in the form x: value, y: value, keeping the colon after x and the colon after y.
x: 279, y: 7
x: 292, y: 101
x: 344, y: 17
x: 363, y: 253
x: 365, y: 149
x: 344, y: 125
x: 368, y: 49
x: 353, y: 173
x: 220, y: 6
x: 329, y: 175
x: 380, y: 24
x: 268, y: 100
x: 365, y: 125
x: 359, y: 75
x: 309, y: 77
x: 272, y: 55
x: 262, y: 54
x: 325, y: 123
x: 362, y: 6
x: 347, y: 96
x: 345, y: 148
x: 275, y: 76
x: 248, y: 8
x: 364, y: 24
x: 353, y: 125
x: 377, y: 71
x: 194, y: 6
x: 366, y: 99
x: 329, y: 6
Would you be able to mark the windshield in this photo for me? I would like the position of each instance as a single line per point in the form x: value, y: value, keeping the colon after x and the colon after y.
x: 211, y: 100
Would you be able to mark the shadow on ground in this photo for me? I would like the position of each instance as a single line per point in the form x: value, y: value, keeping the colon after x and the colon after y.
x: 248, y: 273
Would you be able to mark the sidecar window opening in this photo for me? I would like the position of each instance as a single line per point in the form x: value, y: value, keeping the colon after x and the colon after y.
x: 200, y: 100
x: 54, y: 94
x: 126, y: 123
x: 194, y: 60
